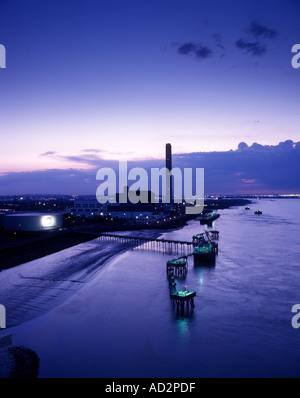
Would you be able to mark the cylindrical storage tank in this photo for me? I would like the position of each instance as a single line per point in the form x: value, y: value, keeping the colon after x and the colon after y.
x: 33, y: 222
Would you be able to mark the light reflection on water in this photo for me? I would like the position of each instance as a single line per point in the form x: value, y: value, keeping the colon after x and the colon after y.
x: 240, y: 326
x: 182, y: 324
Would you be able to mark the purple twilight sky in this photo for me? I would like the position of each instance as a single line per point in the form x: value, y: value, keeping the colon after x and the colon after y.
x: 88, y: 83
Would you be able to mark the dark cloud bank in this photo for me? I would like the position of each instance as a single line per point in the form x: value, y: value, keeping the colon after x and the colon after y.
x: 254, y: 48
x: 254, y: 169
x: 261, y: 31
x: 254, y: 43
x: 197, y: 50
x: 257, y: 32
x: 249, y: 169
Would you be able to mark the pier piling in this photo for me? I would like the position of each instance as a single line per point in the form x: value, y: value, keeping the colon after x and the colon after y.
x: 165, y: 245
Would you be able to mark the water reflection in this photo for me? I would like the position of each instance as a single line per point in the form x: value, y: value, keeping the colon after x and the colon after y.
x: 203, y: 274
x: 138, y: 322
x: 183, y: 324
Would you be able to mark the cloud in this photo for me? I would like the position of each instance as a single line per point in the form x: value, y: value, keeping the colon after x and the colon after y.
x: 91, y: 160
x: 88, y: 157
x: 198, y: 50
x: 260, y: 31
x: 203, y: 53
x: 253, y: 44
x: 55, y: 181
x: 257, y: 121
x: 187, y: 48
x: 220, y: 46
x: 251, y: 168
x: 217, y: 37
x: 49, y: 153
x: 242, y: 145
x: 253, y: 48
x: 92, y: 150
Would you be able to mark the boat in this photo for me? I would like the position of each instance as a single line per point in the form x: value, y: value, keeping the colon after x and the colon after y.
x: 247, y: 208
x: 204, y: 249
x: 258, y: 212
x: 208, y: 218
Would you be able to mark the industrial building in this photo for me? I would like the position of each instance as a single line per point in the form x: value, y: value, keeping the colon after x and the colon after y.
x: 30, y: 221
x: 86, y: 208
x: 150, y: 212
x: 91, y: 208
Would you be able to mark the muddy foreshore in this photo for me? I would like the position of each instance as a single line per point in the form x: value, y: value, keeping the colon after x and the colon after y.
x: 37, y: 246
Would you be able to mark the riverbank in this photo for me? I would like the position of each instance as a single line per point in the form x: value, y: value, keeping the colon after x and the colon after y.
x: 122, y: 322
x: 47, y: 281
x: 37, y: 248
x: 16, y: 250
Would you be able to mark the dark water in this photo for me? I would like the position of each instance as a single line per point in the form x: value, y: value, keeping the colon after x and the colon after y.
x: 122, y: 324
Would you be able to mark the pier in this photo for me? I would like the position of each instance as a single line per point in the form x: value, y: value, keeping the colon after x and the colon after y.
x: 206, y: 248
x: 178, y: 267
x: 214, y: 234
x: 167, y: 245
x: 156, y: 244
x: 183, y: 300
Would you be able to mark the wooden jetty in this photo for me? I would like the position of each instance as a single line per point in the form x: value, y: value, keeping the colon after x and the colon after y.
x: 211, y: 235
x: 151, y: 243
x: 183, y: 300
x: 205, y: 249
x: 214, y: 234
x: 172, y: 287
x: 178, y: 266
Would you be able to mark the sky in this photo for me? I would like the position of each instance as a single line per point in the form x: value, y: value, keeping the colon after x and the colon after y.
x: 88, y: 83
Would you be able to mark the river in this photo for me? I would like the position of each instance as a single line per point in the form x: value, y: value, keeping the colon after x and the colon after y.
x: 119, y: 322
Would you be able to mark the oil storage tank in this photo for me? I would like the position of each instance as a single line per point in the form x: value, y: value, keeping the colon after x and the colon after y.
x: 32, y: 222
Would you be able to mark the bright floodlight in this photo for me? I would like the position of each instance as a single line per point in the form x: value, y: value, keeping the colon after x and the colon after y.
x: 48, y: 221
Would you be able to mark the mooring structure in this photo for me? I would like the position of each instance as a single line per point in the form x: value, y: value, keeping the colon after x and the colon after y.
x: 168, y: 245
x: 183, y: 300
x: 178, y: 266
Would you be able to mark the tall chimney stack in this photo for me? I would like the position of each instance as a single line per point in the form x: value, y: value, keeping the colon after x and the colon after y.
x: 169, y: 192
